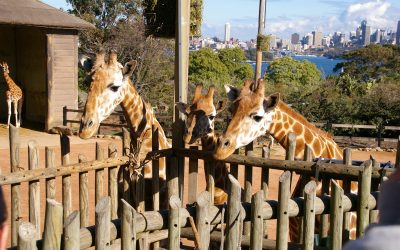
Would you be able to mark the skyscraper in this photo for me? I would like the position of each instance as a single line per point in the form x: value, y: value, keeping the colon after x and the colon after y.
x: 366, y: 33
x: 295, y: 38
x: 227, y: 32
x: 317, y: 38
x: 398, y: 33
x: 309, y: 39
x: 378, y: 36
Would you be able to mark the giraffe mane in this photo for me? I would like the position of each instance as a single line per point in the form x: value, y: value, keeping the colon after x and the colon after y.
x: 282, y: 105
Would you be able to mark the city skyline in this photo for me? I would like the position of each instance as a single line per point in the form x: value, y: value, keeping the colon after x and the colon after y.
x: 291, y: 16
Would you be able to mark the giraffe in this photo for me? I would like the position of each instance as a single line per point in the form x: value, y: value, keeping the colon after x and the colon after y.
x: 14, y: 96
x: 200, y: 125
x: 111, y: 86
x: 254, y: 115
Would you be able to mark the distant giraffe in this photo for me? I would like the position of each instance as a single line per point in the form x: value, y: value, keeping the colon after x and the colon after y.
x: 13, y: 96
x: 200, y: 125
x: 254, y: 115
x: 110, y: 86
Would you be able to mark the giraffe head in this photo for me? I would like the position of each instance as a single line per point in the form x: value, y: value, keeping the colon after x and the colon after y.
x: 252, y: 114
x: 200, y: 114
x: 4, y: 66
x: 109, y: 82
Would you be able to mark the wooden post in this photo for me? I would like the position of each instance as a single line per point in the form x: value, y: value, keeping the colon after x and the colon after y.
x: 66, y: 179
x: 53, y: 226
x: 261, y: 27
x: 174, y: 224
x: 347, y: 189
x: 65, y: 116
x: 156, y: 170
x: 113, y: 182
x: 264, y: 185
x: 210, y: 173
x: 50, y: 182
x: 336, y: 214
x: 309, y: 215
x: 15, y: 188
x: 234, y: 168
x: 126, y: 146
x: 291, y: 152
x: 397, y: 164
x: 202, y: 219
x: 364, y: 189
x: 99, y: 174
x: 181, y: 80
x: 83, y: 195
x: 71, y: 232
x: 374, y: 214
x: 234, y: 215
x: 193, y: 175
x: 34, y: 188
x: 283, y: 211
x: 103, y: 220
x: 128, y: 232
x: 27, y: 236
x: 257, y: 230
x: 173, y: 181
x: 248, y: 178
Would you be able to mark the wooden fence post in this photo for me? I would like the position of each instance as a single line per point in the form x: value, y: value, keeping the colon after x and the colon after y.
x: 336, y: 215
x: 15, y: 188
x: 103, y: 221
x: 309, y: 215
x: 172, y: 177
x: 99, y: 174
x: 193, y: 176
x: 283, y: 213
x: 27, y: 235
x: 156, y: 171
x: 233, y: 231
x: 257, y: 231
x: 71, y: 232
x: 264, y: 184
x: 50, y: 182
x: 234, y: 168
x: 34, y: 188
x: 113, y: 182
x: 53, y: 227
x: 347, y: 189
x: 210, y: 173
x: 174, y: 223
x: 202, y: 219
x: 66, y: 179
x: 126, y: 149
x: 83, y: 195
x: 248, y: 180
x: 128, y: 232
x: 364, y: 189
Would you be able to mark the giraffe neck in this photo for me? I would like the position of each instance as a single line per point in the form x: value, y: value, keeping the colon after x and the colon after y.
x: 287, y: 120
x: 10, y: 83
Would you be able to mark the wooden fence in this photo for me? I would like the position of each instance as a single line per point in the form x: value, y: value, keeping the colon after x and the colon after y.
x: 237, y: 223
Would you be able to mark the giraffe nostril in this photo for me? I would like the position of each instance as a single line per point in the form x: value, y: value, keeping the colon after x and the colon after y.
x: 227, y: 143
x: 90, y: 123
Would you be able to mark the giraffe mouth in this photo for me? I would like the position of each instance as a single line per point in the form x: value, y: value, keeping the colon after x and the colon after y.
x: 224, y: 149
x: 86, y: 133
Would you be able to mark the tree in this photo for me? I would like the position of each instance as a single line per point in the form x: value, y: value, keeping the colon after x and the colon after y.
x: 235, y: 61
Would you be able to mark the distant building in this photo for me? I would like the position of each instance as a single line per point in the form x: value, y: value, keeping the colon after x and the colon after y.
x: 227, y: 32
x: 377, y: 36
x: 398, y: 33
x: 295, y: 38
x: 309, y: 39
x: 317, y: 38
x: 272, y: 42
x: 365, y: 33
x: 358, y: 33
x: 326, y: 41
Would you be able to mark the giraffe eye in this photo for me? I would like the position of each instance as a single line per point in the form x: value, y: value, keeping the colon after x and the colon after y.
x: 211, y: 117
x: 257, y: 118
x: 114, y: 88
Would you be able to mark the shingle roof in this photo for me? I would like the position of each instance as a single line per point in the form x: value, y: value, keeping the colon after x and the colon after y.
x: 36, y: 13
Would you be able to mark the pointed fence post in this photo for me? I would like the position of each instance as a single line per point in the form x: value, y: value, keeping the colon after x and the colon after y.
x: 53, y: 227
x: 27, y: 236
x: 336, y: 216
x: 102, y: 217
x: 71, y: 232
x: 202, y: 219
x: 364, y: 190
x: 174, y: 223
x: 128, y: 233
x: 283, y: 211
x: 256, y: 235
x: 34, y: 188
x: 15, y: 188
x: 309, y: 215
x: 233, y: 228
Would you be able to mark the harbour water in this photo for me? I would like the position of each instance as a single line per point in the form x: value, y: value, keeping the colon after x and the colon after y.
x: 324, y: 64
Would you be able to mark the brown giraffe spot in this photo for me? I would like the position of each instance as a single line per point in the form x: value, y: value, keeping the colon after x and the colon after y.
x: 278, y: 127
x: 299, y: 145
x: 291, y: 120
x: 286, y: 125
x: 297, y: 129
x: 278, y: 115
x: 285, y: 117
x: 308, y: 136
x: 316, y: 145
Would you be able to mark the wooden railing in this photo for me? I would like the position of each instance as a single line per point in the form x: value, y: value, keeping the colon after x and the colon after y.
x: 128, y: 226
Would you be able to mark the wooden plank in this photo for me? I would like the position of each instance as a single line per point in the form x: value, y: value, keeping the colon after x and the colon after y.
x: 282, y: 235
x: 34, y: 188
x: 53, y: 227
x: 102, y: 218
x: 15, y: 188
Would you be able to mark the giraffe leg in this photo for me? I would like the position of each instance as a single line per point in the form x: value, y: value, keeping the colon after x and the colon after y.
x: 20, y: 102
x: 16, y: 113
x: 9, y: 112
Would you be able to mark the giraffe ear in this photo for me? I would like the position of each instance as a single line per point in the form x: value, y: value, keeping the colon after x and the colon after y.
x: 182, y: 107
x: 271, y: 101
x: 129, y: 68
x: 221, y: 105
x: 232, y: 92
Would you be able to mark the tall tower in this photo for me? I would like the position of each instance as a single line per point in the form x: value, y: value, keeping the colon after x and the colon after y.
x: 398, y: 33
x: 317, y: 38
x: 366, y: 33
x: 295, y: 39
x: 227, y: 32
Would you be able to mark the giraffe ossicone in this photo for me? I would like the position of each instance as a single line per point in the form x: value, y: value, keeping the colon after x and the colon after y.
x: 14, y: 96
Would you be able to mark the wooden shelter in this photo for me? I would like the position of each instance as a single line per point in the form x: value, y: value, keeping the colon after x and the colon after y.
x: 40, y: 44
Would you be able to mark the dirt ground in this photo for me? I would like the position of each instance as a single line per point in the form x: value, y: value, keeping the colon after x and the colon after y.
x: 87, y: 148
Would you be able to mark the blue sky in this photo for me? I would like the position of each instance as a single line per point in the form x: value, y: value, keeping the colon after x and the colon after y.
x: 285, y: 17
